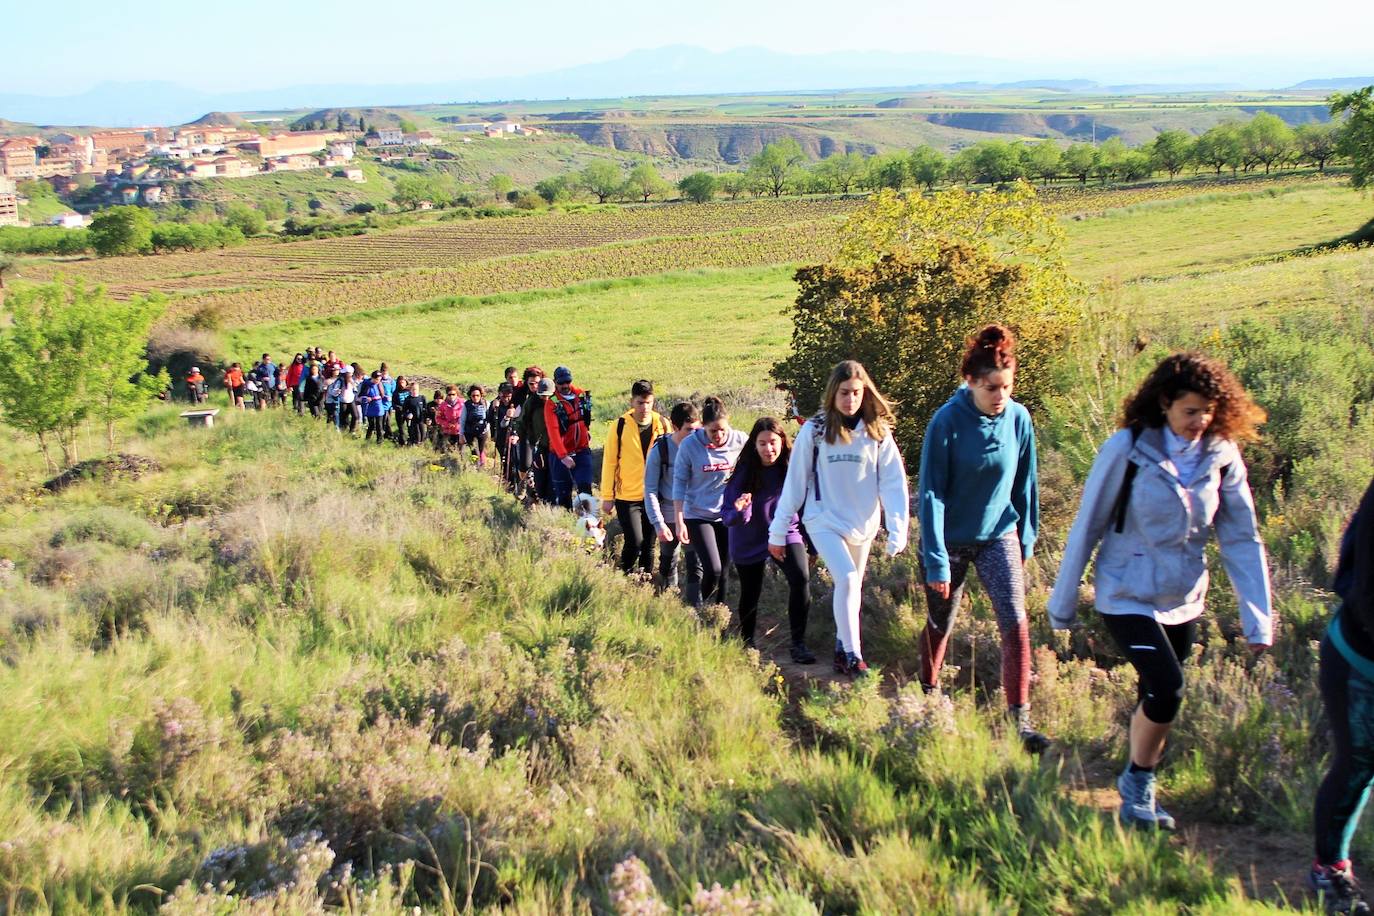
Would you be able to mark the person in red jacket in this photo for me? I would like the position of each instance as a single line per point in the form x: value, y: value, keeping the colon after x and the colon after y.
x: 448, y: 416
x: 568, y: 417
x: 234, y: 382
x: 293, y: 380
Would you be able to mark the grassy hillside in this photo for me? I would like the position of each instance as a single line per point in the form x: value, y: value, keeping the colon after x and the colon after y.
x: 286, y: 667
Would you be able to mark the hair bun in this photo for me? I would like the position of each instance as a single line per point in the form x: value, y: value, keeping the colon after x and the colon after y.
x: 992, y: 336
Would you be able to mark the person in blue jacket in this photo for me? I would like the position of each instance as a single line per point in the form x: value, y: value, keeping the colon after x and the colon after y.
x: 979, y: 506
x: 372, y: 397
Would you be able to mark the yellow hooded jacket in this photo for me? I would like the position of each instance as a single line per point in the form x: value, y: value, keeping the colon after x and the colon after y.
x: 622, y: 461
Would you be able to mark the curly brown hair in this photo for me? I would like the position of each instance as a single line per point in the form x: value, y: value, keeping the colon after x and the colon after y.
x: 1237, y: 416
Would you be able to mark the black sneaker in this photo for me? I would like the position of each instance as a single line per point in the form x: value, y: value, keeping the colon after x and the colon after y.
x: 749, y: 643
x: 1031, y: 740
x: 841, y: 662
x: 802, y: 655
x: 1339, y: 890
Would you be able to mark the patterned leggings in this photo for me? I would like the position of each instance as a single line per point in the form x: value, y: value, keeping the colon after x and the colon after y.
x: 999, y: 569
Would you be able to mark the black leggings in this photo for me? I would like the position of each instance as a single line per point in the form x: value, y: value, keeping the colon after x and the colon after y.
x: 639, y: 536
x: 794, y: 567
x: 711, y: 543
x: 1157, y: 651
x: 1349, y: 700
x: 374, y: 428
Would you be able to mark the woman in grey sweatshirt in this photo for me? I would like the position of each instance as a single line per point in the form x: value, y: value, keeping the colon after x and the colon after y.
x: 704, y: 462
x: 1158, y: 489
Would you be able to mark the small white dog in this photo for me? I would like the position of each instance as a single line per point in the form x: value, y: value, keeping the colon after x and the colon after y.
x: 588, y: 525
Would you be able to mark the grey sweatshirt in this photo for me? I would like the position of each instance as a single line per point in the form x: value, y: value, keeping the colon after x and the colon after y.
x: 700, y: 471
x: 658, y: 481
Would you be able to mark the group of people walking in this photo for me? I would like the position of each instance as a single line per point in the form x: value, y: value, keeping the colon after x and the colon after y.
x: 704, y: 495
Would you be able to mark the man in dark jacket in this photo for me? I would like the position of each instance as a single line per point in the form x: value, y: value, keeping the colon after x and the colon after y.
x: 534, y: 439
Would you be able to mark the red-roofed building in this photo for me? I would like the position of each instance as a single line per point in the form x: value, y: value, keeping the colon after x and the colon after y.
x: 19, y: 158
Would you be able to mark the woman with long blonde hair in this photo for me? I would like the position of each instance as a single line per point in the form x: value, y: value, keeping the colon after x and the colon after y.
x: 844, y: 476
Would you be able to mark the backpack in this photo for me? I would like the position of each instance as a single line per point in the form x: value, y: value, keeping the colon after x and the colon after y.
x: 560, y: 410
x: 1128, y: 482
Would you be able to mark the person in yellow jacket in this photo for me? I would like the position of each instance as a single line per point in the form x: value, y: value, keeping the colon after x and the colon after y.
x: 622, y: 474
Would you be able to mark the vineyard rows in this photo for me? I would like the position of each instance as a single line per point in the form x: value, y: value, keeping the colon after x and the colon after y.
x: 276, y: 280
x: 747, y: 248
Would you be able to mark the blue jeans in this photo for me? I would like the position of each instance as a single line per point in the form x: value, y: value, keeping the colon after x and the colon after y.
x: 565, y: 479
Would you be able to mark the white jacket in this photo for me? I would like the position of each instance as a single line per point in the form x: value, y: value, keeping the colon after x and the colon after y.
x: 840, y: 488
x: 1156, y: 564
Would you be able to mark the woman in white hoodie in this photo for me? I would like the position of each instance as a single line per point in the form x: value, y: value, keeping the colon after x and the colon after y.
x: 845, y: 474
x: 1170, y: 476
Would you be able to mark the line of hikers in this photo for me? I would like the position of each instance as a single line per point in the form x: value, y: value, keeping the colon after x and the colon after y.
x: 1172, y: 476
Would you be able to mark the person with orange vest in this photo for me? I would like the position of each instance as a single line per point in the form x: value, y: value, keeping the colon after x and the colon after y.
x: 234, y: 381
x: 195, y: 385
x: 622, y: 474
x: 568, y: 417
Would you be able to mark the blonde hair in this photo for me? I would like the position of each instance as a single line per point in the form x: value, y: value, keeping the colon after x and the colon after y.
x: 875, y: 410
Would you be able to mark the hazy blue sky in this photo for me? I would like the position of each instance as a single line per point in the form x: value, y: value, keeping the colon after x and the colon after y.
x: 258, y: 44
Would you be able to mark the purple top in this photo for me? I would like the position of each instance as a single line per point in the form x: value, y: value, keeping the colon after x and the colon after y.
x: 749, y: 529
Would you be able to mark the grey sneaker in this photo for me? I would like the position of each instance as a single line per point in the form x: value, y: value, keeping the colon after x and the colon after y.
x: 1138, y: 805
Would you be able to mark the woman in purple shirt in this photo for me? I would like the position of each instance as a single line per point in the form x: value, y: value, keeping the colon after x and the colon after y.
x: 751, y: 496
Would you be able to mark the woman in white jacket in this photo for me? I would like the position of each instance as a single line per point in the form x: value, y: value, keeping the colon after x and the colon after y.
x: 1158, y: 489
x: 844, y: 474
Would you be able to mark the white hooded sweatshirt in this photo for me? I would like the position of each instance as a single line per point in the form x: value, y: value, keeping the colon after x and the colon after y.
x: 841, y: 488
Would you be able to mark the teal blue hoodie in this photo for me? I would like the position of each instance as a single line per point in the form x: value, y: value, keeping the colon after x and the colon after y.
x: 978, y: 480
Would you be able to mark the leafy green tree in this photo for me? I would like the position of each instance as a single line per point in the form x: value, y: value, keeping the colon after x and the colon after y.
x: 407, y: 126
x: 734, y: 184
x: 1267, y: 139
x: 776, y: 164
x: 7, y: 264
x: 645, y: 181
x: 555, y: 189
x: 272, y: 209
x: 43, y: 360
x: 117, y: 379
x: 1134, y: 165
x: 1221, y: 147
x: 121, y: 230
x: 601, y: 179
x: 1357, y: 136
x: 1171, y: 151
x: 927, y: 166
x: 963, y: 166
x: 1316, y: 143
x: 500, y: 186
x: 1040, y: 160
x: 248, y: 220
x: 913, y: 277
x: 1078, y: 161
x: 997, y: 162
x: 1110, y: 154
x: 698, y: 187
x: 839, y: 173
x: 888, y: 171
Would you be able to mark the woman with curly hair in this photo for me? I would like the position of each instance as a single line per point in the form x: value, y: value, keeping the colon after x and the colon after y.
x: 1159, y: 487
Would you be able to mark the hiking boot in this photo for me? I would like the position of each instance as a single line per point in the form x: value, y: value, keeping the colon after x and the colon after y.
x: 749, y: 643
x: 841, y: 661
x: 1138, y: 805
x: 855, y: 667
x: 1339, y: 890
x: 802, y: 655
x: 1033, y: 741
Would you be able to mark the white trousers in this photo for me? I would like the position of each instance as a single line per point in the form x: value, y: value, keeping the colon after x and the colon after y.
x: 846, y: 563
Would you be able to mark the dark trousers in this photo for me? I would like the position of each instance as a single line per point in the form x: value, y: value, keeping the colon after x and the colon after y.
x: 1157, y: 651
x: 374, y: 428
x: 638, y: 549
x: 1349, y: 700
x: 671, y: 555
x: 795, y: 568
x: 567, y: 479
x: 348, y: 417
x: 710, y: 542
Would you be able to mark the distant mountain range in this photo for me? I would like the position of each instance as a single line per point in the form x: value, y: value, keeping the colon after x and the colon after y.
x: 674, y: 70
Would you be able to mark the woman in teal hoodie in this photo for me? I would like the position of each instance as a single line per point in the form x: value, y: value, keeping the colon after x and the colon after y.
x: 979, y: 504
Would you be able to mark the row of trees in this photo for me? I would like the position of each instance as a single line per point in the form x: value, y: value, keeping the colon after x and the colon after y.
x: 782, y: 167
x: 136, y: 230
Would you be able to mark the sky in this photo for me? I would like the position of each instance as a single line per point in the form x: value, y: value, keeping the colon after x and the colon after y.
x: 259, y: 44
